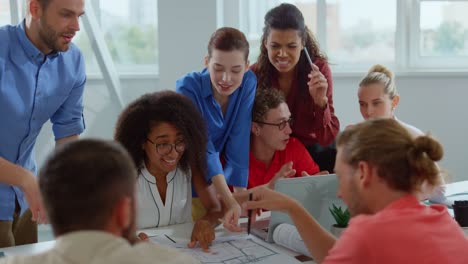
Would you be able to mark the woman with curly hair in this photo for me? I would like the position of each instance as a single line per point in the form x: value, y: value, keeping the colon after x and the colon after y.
x: 282, y: 64
x: 166, y: 137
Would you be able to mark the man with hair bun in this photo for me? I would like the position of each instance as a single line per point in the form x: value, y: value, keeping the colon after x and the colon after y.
x: 379, y: 167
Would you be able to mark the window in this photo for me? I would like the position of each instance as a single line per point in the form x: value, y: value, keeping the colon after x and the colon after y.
x: 251, y: 23
x: 360, y: 32
x: 407, y: 35
x: 441, y: 34
x: 129, y: 28
x: 5, y: 12
x: 349, y: 34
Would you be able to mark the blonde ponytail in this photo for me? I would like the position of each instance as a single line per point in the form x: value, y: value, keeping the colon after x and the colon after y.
x: 381, y: 74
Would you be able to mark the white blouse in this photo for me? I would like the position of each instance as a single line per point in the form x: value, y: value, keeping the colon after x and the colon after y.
x: 177, y: 209
x: 414, y: 131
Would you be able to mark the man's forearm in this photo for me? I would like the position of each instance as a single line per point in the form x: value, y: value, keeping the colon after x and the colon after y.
x: 316, y: 238
x: 65, y: 139
x: 12, y: 174
x: 222, y: 189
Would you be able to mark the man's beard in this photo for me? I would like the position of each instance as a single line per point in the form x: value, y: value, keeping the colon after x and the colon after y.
x: 357, y: 205
x: 129, y: 233
x: 49, y: 36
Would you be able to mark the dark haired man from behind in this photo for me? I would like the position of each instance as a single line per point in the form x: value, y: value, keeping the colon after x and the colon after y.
x: 88, y: 187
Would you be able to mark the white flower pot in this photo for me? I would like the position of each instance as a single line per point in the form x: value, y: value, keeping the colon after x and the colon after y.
x: 336, y: 231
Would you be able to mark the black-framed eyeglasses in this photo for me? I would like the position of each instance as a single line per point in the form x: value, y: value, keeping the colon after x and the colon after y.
x: 280, y: 125
x: 166, y: 148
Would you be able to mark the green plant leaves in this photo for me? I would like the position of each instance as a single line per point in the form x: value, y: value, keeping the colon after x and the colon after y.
x: 341, y: 216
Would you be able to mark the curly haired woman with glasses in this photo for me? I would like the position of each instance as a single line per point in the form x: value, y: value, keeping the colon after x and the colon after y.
x: 166, y: 138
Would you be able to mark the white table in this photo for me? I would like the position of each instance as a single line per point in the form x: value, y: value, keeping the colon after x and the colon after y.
x: 29, y: 249
x: 181, y: 233
x: 182, y: 230
x: 457, y: 189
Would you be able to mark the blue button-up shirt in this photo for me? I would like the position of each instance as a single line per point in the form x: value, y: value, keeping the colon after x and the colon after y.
x: 228, y: 134
x: 33, y: 89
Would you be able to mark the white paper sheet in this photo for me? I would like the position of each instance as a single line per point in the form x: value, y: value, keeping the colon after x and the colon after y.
x: 230, y: 249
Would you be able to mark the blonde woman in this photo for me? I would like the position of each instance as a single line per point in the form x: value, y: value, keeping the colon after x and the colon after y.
x: 378, y: 98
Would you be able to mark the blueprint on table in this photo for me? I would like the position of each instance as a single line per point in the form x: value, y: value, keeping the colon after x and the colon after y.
x: 239, y: 249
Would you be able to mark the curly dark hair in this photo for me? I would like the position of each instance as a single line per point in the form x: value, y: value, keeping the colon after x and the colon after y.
x: 266, y: 99
x: 135, y: 123
x: 284, y: 17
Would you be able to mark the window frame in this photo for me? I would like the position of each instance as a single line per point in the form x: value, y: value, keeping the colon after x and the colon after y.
x: 416, y: 60
x: 407, y: 39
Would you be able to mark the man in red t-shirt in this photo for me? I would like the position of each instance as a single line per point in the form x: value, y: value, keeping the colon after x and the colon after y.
x: 273, y: 152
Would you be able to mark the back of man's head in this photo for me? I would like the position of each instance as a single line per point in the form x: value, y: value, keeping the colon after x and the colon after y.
x: 81, y: 183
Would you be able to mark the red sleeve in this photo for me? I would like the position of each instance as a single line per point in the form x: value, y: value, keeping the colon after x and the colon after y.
x: 325, y: 121
x: 302, y: 161
x: 253, y: 68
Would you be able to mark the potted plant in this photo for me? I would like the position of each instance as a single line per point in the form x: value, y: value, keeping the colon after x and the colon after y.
x: 341, y: 217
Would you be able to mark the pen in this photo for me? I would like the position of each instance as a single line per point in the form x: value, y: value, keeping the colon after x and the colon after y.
x: 308, y: 57
x: 169, y: 238
x: 249, y: 215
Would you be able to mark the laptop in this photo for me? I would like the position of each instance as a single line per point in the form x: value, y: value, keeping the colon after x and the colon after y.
x: 315, y: 193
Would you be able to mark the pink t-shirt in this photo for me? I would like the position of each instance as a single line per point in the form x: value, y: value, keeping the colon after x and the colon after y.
x: 404, y: 232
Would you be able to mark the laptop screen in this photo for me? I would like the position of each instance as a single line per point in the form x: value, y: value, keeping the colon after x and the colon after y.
x: 315, y: 193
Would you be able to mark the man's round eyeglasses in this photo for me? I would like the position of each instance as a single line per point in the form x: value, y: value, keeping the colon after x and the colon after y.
x: 280, y: 125
x: 166, y: 148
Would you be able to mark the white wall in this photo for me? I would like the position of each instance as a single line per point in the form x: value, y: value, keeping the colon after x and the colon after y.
x: 434, y: 104
x: 431, y: 102
x: 184, y: 30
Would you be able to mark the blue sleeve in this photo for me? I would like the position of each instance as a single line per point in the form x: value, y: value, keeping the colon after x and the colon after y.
x: 237, y: 147
x: 190, y: 86
x: 69, y: 120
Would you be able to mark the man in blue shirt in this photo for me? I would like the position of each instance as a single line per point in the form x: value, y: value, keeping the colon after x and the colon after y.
x: 42, y: 77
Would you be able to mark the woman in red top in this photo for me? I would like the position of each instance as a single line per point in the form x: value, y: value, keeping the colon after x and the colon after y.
x: 283, y: 65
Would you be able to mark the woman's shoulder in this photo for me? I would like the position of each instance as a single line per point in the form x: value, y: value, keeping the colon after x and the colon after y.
x: 322, y: 64
x: 249, y: 83
x: 250, y: 75
x: 253, y: 68
x: 181, y: 174
x: 192, y: 76
x: 414, y: 131
x: 192, y: 81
